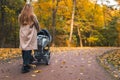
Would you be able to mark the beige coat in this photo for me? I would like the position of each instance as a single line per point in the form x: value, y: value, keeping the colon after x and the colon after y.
x: 28, y: 37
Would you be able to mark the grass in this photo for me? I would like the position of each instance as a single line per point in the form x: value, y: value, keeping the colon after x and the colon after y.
x: 111, y: 62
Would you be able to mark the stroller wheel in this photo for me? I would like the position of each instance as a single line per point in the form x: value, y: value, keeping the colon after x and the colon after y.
x: 47, y: 59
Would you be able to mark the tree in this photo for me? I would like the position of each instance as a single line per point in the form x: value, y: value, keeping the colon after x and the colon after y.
x: 54, y: 11
x: 72, y: 22
x: 2, y: 9
x: 84, y: 28
x: 9, y: 27
x: 80, y: 37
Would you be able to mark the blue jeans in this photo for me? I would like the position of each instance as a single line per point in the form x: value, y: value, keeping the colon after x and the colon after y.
x: 27, y: 57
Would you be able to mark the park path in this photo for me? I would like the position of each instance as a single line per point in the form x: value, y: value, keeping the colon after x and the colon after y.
x: 79, y: 64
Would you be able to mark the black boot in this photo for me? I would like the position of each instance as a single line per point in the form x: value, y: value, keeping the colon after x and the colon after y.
x: 25, y: 69
x: 28, y: 66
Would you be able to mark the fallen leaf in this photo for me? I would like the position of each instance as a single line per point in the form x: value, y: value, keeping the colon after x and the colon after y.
x: 66, y: 66
x: 6, y: 76
x: 56, y: 61
x: 81, y: 73
x: 82, y: 58
x: 116, y: 75
x: 9, y: 62
x: 33, y: 75
x: 89, y: 61
x: 77, y: 54
x: 38, y: 71
x: 63, y: 62
x: 89, y: 64
x: 70, y: 73
x: 2, y: 70
x: 61, y: 66
x: 52, y: 70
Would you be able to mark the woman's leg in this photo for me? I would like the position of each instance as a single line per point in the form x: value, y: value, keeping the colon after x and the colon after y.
x: 26, y: 55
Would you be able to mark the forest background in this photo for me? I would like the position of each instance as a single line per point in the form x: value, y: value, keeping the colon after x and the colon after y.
x: 70, y: 22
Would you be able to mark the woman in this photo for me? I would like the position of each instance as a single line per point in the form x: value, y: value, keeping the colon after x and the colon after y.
x: 28, y: 35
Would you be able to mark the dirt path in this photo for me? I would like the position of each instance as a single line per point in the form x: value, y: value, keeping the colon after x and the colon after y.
x: 68, y: 65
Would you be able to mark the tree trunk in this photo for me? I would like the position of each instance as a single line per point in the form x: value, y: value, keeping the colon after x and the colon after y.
x: 2, y: 30
x: 72, y: 22
x: 54, y: 10
x: 53, y: 26
x: 118, y: 39
x: 80, y: 37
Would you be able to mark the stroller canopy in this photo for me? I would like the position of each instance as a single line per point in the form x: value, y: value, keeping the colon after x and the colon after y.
x: 46, y: 33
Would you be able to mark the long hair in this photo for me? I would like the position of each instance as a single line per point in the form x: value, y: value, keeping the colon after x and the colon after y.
x: 26, y: 16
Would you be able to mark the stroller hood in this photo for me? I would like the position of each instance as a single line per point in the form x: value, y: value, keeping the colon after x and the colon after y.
x: 46, y: 33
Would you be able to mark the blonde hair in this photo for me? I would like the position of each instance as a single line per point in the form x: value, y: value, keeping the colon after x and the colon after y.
x: 26, y: 16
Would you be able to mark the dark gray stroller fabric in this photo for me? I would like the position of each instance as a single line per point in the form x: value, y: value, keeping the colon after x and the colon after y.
x: 43, y: 40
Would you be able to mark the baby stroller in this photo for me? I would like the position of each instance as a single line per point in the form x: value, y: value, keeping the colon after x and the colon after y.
x: 43, y: 41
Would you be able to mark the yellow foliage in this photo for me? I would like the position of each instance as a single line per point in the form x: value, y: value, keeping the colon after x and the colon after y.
x: 9, y: 53
x: 112, y: 58
x: 6, y: 53
x: 92, y: 39
x: 111, y: 62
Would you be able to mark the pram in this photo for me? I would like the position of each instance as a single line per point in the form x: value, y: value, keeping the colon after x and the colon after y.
x: 43, y: 41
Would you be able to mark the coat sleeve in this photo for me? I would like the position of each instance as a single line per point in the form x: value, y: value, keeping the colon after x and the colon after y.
x: 36, y: 23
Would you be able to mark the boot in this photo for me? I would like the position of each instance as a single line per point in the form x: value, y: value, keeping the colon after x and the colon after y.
x: 25, y: 69
x: 28, y: 67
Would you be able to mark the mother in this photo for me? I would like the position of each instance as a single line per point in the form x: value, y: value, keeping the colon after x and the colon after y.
x: 28, y: 34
